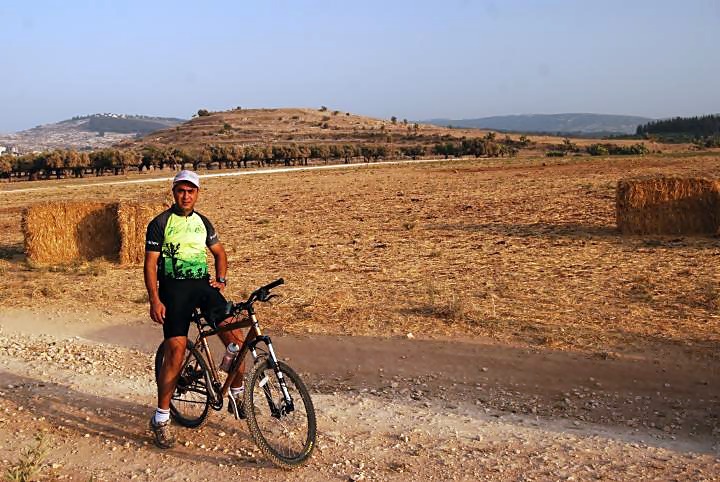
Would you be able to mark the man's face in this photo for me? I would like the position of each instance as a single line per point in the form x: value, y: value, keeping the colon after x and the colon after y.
x: 185, y: 195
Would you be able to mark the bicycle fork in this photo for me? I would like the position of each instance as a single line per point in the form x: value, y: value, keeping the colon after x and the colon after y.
x: 272, y: 358
x: 288, y: 405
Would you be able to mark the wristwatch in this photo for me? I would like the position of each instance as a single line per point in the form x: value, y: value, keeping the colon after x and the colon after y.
x: 222, y: 280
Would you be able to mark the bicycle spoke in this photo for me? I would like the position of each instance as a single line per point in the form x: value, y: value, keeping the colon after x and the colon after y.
x: 190, y: 402
x: 286, y: 436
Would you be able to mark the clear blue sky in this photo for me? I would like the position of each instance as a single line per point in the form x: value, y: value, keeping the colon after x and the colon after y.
x: 413, y: 59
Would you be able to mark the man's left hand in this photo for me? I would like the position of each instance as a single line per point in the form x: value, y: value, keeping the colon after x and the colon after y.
x: 216, y: 284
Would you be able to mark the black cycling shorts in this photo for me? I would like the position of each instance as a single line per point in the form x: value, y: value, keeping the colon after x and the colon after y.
x: 181, y: 297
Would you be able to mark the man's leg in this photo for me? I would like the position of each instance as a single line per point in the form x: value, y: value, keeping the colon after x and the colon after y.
x: 234, y: 336
x: 235, y: 405
x: 173, y: 357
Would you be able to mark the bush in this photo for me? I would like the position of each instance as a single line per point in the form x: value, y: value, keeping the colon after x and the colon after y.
x: 203, y: 113
x: 555, y: 154
x: 598, y: 150
x: 615, y: 150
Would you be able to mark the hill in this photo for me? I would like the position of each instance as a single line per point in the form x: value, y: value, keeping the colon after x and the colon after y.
x: 561, y: 124
x: 87, y: 132
x: 293, y: 135
x: 295, y: 125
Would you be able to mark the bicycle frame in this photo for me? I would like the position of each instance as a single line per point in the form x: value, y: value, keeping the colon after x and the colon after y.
x: 253, y: 337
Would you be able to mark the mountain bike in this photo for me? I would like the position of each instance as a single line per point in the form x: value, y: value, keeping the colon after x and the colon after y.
x: 279, y: 410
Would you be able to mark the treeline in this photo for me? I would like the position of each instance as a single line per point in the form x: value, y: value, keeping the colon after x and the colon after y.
x: 699, y: 126
x: 61, y: 163
x: 607, y: 149
x: 599, y: 149
x: 487, y: 146
x: 70, y: 163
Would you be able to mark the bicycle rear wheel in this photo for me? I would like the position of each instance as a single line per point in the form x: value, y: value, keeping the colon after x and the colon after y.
x: 190, y: 401
x: 285, y: 434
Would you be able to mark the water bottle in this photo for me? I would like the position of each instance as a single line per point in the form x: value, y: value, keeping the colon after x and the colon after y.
x: 230, y: 354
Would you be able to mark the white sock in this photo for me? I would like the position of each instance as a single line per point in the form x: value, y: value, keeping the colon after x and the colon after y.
x: 235, y: 391
x: 161, y: 415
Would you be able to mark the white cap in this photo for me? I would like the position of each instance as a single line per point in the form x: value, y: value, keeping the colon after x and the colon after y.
x: 188, y: 176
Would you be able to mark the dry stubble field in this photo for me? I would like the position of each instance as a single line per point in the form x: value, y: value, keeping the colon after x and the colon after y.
x: 517, y: 251
x: 519, y: 258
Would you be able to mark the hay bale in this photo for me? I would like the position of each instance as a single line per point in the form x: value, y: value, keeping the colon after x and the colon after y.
x: 64, y: 232
x: 668, y: 205
x: 132, y: 221
x: 57, y: 233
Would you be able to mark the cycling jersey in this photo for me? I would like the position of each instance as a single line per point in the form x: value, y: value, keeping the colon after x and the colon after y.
x: 181, y: 242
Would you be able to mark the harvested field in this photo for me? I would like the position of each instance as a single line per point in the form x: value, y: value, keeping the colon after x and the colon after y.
x: 518, y: 251
x: 582, y: 353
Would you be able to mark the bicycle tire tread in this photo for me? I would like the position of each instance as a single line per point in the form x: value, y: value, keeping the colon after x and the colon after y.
x: 256, y: 433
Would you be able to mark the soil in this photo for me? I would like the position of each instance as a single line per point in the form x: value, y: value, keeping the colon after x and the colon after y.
x: 389, y: 409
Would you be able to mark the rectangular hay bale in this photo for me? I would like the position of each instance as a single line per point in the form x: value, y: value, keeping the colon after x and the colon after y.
x: 64, y: 232
x: 57, y: 233
x: 668, y: 205
x: 132, y: 220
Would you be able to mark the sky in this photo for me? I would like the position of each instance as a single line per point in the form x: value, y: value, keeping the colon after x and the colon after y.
x: 411, y: 59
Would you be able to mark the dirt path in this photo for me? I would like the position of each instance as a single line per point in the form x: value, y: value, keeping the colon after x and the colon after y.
x: 393, y: 408
x: 84, y: 183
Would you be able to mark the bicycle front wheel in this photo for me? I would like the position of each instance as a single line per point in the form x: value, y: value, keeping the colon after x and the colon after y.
x: 284, y: 432
x: 190, y: 401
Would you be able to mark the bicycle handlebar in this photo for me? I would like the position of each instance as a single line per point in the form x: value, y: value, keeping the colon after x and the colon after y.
x: 260, y: 294
x: 273, y: 284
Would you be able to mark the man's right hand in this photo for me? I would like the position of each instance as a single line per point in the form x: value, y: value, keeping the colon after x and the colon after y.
x: 157, y: 311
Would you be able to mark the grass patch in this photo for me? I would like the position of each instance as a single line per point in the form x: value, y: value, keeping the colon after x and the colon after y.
x: 641, y: 289
x: 142, y: 299
x: 77, y: 268
x: 31, y: 462
x: 445, y: 304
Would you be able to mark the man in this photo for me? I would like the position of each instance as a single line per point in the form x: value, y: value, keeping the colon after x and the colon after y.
x: 177, y: 281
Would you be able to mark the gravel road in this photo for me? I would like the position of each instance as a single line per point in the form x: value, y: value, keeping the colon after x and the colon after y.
x: 389, y: 409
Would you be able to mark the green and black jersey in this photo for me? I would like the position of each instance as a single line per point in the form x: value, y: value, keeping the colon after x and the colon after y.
x: 181, y: 242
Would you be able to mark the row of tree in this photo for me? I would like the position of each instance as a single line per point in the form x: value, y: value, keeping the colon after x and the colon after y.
x: 608, y: 149
x: 59, y: 163
x: 63, y: 162
x: 488, y: 146
x: 598, y: 149
x: 699, y: 126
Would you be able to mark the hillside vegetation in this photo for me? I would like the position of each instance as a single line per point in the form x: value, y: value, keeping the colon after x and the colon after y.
x: 260, y: 137
x: 703, y: 131
x: 296, y: 125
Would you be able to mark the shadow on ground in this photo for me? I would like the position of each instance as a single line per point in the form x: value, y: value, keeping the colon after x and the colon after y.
x: 12, y: 252
x: 119, y: 421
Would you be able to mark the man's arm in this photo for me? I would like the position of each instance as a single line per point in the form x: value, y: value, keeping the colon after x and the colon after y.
x: 218, y: 253
x: 157, y: 309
